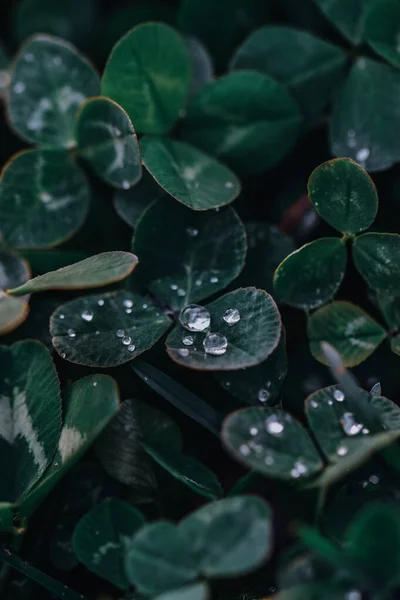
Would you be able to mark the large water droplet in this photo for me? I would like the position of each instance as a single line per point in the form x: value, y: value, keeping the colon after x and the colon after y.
x: 231, y: 316
x: 215, y: 344
x: 338, y: 395
x: 120, y: 333
x: 71, y: 333
x: 131, y: 347
x: 263, y: 395
x: 128, y: 303
x: 188, y: 340
x: 87, y: 316
x: 195, y: 318
x: 374, y: 479
x: 349, y: 424
x: 126, y: 340
x: 274, y: 425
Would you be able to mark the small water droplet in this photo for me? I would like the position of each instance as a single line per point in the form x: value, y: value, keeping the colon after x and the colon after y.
x: 299, y: 469
x: 128, y: 303
x: 131, y: 347
x: 229, y: 185
x: 330, y: 402
x: 338, y: 395
x: 253, y: 430
x: 198, y: 282
x: 188, y: 340
x: 244, y: 449
x: 19, y: 87
x: 263, y: 395
x: 269, y: 460
x: 57, y: 61
x: 94, y: 383
x: 365, y: 431
x: 353, y: 595
x: 87, y: 316
x: 374, y: 479
x: 183, y: 352
x: 181, y: 292
x: 342, y: 451
x: 362, y: 154
x: 62, y: 316
x: 273, y: 425
x: 145, y: 305
x: 126, y: 185
x: 29, y: 57
x: 215, y: 344
x: 213, y: 279
x: 71, y: 333
x: 45, y: 197
x: 173, y: 286
x: 195, y: 317
x: 349, y: 424
x: 120, y: 333
x: 63, y: 355
x: 128, y: 311
x: 100, y: 302
x: 231, y: 316
x: 97, y: 332
x: 314, y: 404
x: 126, y: 340
x: 192, y: 231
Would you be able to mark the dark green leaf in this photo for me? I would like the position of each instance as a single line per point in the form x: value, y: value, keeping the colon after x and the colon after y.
x: 230, y: 537
x: 49, y: 81
x: 107, y: 329
x: 202, y: 66
x: 272, y: 442
x: 347, y: 16
x: 350, y: 330
x: 205, y: 252
x: 159, y: 559
x: 30, y: 409
x: 44, y: 199
x: 43, y: 260
x: 148, y: 74
x: 371, y: 89
x: 107, y: 140
x: 344, y: 195
x: 100, y: 538
x: 311, y: 275
x: 231, y: 346
x: 390, y: 308
x: 245, y: 118
x: 130, y: 204
x: 377, y: 257
x: 197, y: 591
x: 382, y: 29
x: 310, y: 67
x: 13, y: 271
x: 192, y: 177
x: 98, y: 270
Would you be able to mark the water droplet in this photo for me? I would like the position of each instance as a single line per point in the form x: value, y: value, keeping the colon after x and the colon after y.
x: 376, y: 390
x: 29, y: 57
x: 128, y: 311
x: 126, y: 185
x: 195, y: 317
x: 181, y: 292
x: 374, y: 479
x: 63, y: 355
x: 100, y: 302
x: 269, y: 460
x: 120, y: 333
x: 342, y: 451
x: 213, y: 279
x: 253, y: 430
x: 198, y: 282
x: 273, y: 425
x: 188, y: 340
x: 349, y: 424
x: 61, y: 316
x: 94, y: 383
x: 57, y: 61
x: 231, y: 316
x: 244, y: 449
x: 145, y: 305
x: 87, y: 316
x: 215, y: 344
x: 229, y: 185
x: 365, y: 431
x: 299, y: 469
x: 362, y: 154
x: 45, y: 197
x: 183, y: 352
x: 19, y: 87
x: 173, y: 286
x: 192, y: 231
x: 128, y: 303
x: 131, y: 347
x: 227, y: 383
x: 314, y: 404
x: 263, y: 395
x: 338, y: 395
x: 353, y: 595
x: 330, y: 402
x: 71, y: 333
x: 97, y: 332
x: 126, y: 340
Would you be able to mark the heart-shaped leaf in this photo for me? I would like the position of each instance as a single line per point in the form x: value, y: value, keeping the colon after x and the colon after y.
x: 90, y: 403
x: 311, y: 275
x: 284, y: 53
x: 246, y: 118
x: 204, y: 255
x: 13, y: 272
x: 95, y: 271
x: 230, y: 537
x: 371, y: 89
x: 49, y: 81
x: 130, y: 204
x: 101, y: 536
x: 344, y: 195
x: 148, y: 74
x: 44, y: 198
x: 382, y: 29
x: 270, y: 441
x: 377, y: 257
x: 107, y: 140
x: 245, y: 330
x: 31, y: 416
x: 192, y: 177
x: 347, y: 16
x: 353, y: 333
x: 106, y: 330
x: 197, y: 591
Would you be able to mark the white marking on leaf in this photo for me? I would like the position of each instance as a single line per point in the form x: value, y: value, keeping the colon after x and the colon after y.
x: 67, y: 98
x: 23, y: 427
x: 36, y: 121
x: 102, y: 551
x: 71, y: 440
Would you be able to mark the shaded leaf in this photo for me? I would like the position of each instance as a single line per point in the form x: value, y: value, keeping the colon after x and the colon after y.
x: 245, y: 118
x: 130, y: 204
x: 49, y: 81
x: 202, y: 66
x: 107, y: 329
x: 203, y: 255
x: 272, y: 442
x: 44, y: 198
x: 148, y: 74
x: 390, y: 309
x: 107, y: 140
x: 311, y: 275
x: 249, y: 341
x: 382, y: 29
x: 347, y: 16
x: 344, y: 195
x: 192, y: 177
x: 310, y: 67
x: 350, y: 330
x: 101, y: 536
x: 377, y: 257
x: 98, y: 270
x: 197, y: 591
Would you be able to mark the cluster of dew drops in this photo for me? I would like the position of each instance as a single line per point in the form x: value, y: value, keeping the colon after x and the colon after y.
x: 197, y: 319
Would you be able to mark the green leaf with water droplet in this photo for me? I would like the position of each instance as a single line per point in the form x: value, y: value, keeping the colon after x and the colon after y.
x: 130, y: 204
x: 382, y: 29
x: 106, y: 330
x: 343, y: 195
x: 377, y: 257
x: 192, y: 177
x: 100, y: 538
x: 271, y: 442
x: 231, y: 537
x: 197, y: 591
x: 202, y: 252
x: 347, y: 16
x: 246, y: 119
x: 49, y: 82
x: 371, y: 89
x: 31, y: 417
x: 311, y: 275
x: 148, y: 74
x: 310, y: 67
x: 44, y: 199
x: 107, y: 140
x: 92, y: 272
x: 246, y: 342
x: 89, y: 405
x: 350, y: 330
x: 13, y: 271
